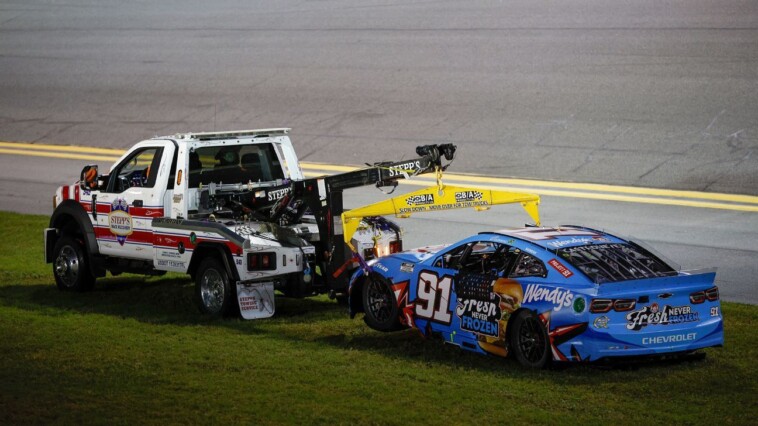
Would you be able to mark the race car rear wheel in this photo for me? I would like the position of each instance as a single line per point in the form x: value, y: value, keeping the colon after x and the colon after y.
x: 213, y: 289
x: 529, y: 340
x: 380, y: 305
x: 71, y: 266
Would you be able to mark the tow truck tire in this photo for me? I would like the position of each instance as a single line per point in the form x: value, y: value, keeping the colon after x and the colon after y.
x: 213, y: 289
x: 71, y: 266
x: 379, y: 304
x: 529, y: 340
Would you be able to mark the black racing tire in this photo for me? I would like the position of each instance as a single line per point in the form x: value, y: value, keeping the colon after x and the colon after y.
x: 529, y: 341
x: 214, y: 293
x: 71, y: 267
x: 379, y: 304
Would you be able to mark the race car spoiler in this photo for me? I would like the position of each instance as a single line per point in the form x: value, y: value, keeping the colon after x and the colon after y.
x: 438, y: 198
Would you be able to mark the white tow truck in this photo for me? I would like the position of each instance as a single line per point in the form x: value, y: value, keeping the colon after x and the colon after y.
x: 231, y: 209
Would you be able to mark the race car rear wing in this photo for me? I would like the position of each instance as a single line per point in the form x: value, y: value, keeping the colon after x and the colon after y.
x: 438, y: 198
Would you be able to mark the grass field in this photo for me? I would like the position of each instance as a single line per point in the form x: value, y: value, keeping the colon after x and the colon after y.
x: 136, y: 351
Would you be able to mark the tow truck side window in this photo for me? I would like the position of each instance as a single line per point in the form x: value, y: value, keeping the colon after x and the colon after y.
x: 234, y: 164
x: 138, y: 170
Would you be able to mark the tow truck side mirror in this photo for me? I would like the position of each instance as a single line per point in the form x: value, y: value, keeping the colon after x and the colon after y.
x: 89, y: 177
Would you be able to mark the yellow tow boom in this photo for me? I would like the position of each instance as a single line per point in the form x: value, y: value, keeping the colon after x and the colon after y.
x: 438, y: 198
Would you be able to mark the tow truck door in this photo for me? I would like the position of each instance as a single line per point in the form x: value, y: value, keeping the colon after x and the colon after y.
x: 134, y: 196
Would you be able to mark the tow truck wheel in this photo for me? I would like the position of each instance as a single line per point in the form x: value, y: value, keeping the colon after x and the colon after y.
x: 71, y: 266
x: 529, y: 340
x: 379, y: 305
x: 213, y: 290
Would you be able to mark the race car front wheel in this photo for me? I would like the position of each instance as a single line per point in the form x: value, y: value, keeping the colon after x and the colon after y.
x: 529, y: 340
x: 213, y: 289
x: 380, y: 305
x: 71, y: 266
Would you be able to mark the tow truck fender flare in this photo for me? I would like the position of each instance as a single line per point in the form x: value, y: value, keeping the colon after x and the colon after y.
x: 67, y: 211
x: 213, y: 249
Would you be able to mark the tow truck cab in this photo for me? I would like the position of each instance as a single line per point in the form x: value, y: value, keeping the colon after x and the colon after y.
x: 172, y: 203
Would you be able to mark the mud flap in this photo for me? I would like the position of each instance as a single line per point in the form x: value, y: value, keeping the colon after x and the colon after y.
x: 256, y: 300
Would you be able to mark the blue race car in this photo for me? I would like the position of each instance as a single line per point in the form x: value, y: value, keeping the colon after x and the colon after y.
x: 543, y: 294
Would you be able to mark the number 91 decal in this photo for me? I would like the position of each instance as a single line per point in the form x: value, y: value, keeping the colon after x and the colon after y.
x: 433, y: 297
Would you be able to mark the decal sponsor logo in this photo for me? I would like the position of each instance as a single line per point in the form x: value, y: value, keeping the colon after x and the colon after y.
x: 278, y: 193
x: 467, y: 196
x: 601, y: 322
x: 171, y: 254
x: 652, y: 315
x: 151, y: 213
x: 120, y: 221
x: 172, y: 264
x: 527, y: 249
x: 443, y: 207
x: 420, y: 200
x: 559, y: 297
x: 401, y: 169
x: 674, y: 338
x: 571, y: 241
x: 558, y: 266
x: 381, y: 267
x: 480, y: 316
x: 406, y: 267
x: 579, y: 305
x: 248, y: 303
x: 167, y: 221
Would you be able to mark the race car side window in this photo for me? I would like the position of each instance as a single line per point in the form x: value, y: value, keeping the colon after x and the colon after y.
x: 528, y: 266
x: 139, y: 169
x: 480, y: 257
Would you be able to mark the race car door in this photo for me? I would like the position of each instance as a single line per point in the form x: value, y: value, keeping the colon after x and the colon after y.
x: 455, y: 295
x: 133, y: 198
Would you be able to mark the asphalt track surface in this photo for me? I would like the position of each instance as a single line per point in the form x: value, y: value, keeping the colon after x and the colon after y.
x: 646, y: 94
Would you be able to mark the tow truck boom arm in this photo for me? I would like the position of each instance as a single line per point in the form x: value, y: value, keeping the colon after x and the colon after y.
x: 323, y: 197
x: 388, y: 173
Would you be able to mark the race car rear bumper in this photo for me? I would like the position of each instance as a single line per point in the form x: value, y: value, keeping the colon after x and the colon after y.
x: 596, y: 344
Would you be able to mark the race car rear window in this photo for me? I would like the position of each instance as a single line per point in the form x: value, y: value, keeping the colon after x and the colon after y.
x: 616, y: 262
